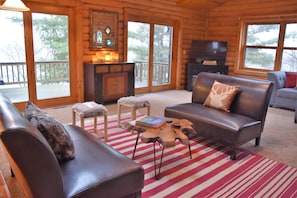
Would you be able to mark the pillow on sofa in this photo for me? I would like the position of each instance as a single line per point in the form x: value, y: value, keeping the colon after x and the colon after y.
x: 291, y: 79
x: 53, y: 131
x: 221, y: 96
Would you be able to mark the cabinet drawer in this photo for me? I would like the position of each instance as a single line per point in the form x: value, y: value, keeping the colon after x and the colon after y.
x: 101, y: 69
x: 128, y: 67
x: 117, y: 68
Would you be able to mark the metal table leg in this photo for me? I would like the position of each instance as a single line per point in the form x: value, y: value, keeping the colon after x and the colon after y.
x: 190, y: 151
x: 157, y: 176
x: 136, y: 142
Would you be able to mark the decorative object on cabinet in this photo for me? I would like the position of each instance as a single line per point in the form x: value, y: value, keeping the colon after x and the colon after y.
x: 104, y: 30
x: 107, y: 82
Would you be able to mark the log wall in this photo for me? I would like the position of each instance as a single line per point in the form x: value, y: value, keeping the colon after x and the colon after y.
x: 191, y: 23
x: 221, y: 23
x: 224, y: 24
x: 192, y: 26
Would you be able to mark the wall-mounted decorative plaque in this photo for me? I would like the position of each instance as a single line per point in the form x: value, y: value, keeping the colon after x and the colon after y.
x: 103, y: 30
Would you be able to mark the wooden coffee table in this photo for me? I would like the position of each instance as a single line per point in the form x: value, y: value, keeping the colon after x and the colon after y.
x: 166, y: 135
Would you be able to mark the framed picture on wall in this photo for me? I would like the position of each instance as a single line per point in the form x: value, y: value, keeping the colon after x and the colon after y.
x: 103, y: 30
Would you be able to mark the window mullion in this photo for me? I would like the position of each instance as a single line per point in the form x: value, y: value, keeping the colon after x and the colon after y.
x: 280, y: 47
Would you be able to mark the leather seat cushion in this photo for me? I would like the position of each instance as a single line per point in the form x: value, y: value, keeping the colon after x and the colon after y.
x: 208, y: 121
x: 100, y: 171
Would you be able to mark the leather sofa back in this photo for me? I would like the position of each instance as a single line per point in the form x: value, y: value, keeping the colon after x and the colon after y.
x: 36, y: 166
x: 253, y: 94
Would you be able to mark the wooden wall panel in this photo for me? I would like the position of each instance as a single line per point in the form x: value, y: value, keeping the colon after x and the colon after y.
x: 223, y: 22
x: 192, y: 23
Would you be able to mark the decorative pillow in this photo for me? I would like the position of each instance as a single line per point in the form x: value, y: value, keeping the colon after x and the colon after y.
x: 221, y: 96
x: 291, y: 79
x: 53, y: 131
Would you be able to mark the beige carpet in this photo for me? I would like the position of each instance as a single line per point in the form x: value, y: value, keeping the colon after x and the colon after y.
x: 278, y: 140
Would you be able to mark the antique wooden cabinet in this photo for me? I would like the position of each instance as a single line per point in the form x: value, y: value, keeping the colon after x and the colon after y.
x: 195, y: 68
x: 107, y: 82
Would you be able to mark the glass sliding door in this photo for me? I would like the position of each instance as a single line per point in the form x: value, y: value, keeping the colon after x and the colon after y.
x: 150, y: 47
x: 51, y: 55
x: 138, y: 51
x: 35, y: 55
x: 13, y: 67
x: 162, y: 55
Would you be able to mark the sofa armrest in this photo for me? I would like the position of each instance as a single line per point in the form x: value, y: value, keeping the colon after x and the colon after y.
x: 279, y: 79
x: 30, y: 156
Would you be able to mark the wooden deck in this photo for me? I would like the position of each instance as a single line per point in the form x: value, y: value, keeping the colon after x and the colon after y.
x: 55, y: 90
x: 20, y: 94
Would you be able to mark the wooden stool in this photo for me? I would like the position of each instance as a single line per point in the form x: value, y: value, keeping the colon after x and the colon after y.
x: 87, y: 110
x: 133, y: 103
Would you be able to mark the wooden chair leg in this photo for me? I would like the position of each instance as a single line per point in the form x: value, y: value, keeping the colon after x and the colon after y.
x: 82, y: 123
x: 133, y: 117
x: 95, y: 124
x: 73, y: 117
x: 105, y: 127
x: 119, y: 114
x: 148, y: 110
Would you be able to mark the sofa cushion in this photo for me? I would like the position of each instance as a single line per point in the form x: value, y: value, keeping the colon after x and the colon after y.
x: 291, y: 79
x: 53, y: 131
x: 221, y: 96
x: 289, y: 93
x: 209, y: 122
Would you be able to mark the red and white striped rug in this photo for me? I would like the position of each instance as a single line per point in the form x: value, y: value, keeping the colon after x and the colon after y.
x: 210, y: 172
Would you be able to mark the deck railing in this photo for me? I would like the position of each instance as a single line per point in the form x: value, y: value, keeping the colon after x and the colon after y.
x: 161, y: 73
x: 58, y: 71
x: 46, y: 72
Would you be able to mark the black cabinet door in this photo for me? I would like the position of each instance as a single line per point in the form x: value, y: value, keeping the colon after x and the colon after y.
x: 195, y: 68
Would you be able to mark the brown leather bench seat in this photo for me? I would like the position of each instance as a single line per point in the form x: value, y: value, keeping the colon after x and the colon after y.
x: 97, y: 170
x: 246, y: 118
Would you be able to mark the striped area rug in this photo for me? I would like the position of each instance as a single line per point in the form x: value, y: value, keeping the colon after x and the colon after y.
x: 210, y: 172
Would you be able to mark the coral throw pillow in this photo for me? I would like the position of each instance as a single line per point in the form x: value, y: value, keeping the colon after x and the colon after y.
x: 221, y: 96
x: 291, y: 79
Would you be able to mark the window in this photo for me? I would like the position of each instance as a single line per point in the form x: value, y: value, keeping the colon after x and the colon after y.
x: 268, y: 45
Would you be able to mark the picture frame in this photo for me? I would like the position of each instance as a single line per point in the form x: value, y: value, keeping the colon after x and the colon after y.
x: 103, y: 30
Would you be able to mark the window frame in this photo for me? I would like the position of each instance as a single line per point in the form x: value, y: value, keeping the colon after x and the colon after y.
x: 244, y: 23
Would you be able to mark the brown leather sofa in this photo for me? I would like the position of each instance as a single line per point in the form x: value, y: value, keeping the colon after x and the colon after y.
x: 246, y: 118
x: 96, y: 171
